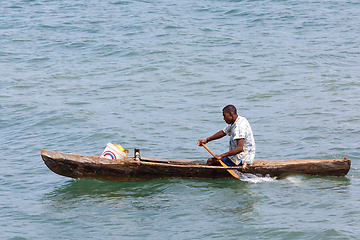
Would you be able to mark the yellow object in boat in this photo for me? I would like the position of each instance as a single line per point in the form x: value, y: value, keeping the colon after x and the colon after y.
x: 121, y: 148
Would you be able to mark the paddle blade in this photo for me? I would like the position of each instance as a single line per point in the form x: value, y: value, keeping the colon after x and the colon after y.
x: 232, y: 172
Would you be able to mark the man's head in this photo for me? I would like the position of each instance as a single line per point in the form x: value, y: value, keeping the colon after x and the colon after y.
x: 230, y: 114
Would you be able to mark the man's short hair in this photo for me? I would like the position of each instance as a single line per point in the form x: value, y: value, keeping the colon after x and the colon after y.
x: 230, y: 108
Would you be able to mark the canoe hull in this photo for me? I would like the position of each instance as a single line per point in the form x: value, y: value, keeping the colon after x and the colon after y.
x: 129, y: 170
x: 88, y: 166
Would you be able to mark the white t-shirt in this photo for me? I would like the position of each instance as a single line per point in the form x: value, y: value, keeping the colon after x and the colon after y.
x: 241, y: 129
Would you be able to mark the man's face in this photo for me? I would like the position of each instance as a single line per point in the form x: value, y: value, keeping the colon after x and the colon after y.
x: 228, y: 117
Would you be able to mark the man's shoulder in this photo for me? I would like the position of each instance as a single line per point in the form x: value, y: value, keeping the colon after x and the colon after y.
x: 241, y: 120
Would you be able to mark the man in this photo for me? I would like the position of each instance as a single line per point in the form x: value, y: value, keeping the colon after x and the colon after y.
x: 242, y: 143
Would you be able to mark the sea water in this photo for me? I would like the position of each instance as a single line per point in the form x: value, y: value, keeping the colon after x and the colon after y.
x: 155, y: 75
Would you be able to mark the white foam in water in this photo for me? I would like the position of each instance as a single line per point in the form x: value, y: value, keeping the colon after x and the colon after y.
x: 295, y: 180
x: 248, y: 177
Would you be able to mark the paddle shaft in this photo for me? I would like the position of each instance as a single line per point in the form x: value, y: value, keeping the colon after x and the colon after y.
x: 222, y: 163
x: 208, y: 149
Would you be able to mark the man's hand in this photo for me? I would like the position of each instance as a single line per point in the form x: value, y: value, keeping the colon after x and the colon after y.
x: 244, y: 166
x: 201, y: 142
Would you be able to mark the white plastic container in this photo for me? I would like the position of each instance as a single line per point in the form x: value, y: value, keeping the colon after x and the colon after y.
x: 113, y: 152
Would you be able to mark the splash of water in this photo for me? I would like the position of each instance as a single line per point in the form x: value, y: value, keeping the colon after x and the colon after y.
x: 248, y: 177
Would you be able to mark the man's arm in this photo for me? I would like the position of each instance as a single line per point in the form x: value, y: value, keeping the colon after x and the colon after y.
x: 238, y: 149
x: 217, y: 135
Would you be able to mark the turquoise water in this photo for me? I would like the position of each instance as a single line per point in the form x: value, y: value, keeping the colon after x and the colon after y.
x: 154, y: 75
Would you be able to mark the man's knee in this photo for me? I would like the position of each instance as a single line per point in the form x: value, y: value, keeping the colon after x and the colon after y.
x: 213, y: 162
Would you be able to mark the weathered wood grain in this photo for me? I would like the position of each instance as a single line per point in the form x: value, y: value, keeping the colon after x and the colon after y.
x: 88, y: 166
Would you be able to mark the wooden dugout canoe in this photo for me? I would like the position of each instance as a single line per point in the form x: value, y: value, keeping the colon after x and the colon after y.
x: 89, y: 166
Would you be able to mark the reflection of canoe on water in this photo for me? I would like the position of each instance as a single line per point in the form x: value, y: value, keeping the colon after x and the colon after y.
x: 88, y: 166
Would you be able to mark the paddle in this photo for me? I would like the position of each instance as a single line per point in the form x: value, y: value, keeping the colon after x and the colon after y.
x: 222, y: 163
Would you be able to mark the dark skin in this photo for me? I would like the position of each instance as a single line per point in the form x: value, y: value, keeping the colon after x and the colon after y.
x: 229, y: 117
